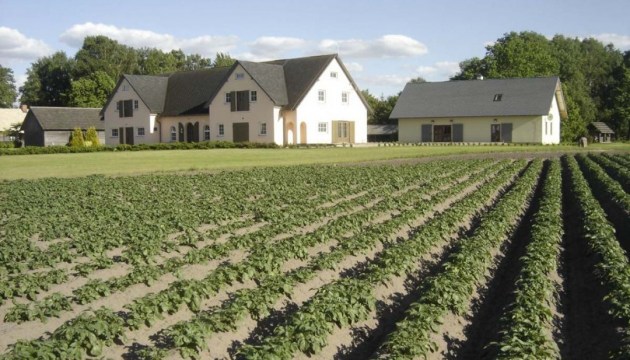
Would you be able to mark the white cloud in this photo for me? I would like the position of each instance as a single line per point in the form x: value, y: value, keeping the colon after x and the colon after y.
x: 16, y: 46
x: 441, y: 70
x: 354, y: 67
x: 272, y: 47
x: 385, y: 80
x: 619, y: 41
x: 387, y: 46
x: 204, y: 45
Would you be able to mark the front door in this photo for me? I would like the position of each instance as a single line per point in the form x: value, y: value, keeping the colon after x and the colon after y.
x: 240, y: 132
x: 442, y: 133
x: 495, y: 132
x: 129, y: 135
x: 342, y: 132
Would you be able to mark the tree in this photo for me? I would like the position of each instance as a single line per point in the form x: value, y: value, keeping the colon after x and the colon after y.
x: 48, y: 81
x: 471, y: 69
x: 223, y: 60
x: 154, y: 61
x: 381, y: 108
x: 92, y: 136
x: 7, y: 88
x: 100, y: 53
x: 92, y: 90
x: 196, y: 62
x: 76, y: 138
x: 417, y: 80
x: 620, y: 99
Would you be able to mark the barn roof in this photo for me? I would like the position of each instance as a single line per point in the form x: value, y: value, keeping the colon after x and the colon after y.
x: 470, y: 98
x: 65, y: 118
x: 601, y: 127
x: 188, y: 91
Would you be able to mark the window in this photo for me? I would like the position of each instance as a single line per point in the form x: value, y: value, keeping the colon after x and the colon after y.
x: 221, y: 130
x: 173, y: 133
x: 240, y: 76
x: 135, y: 104
x: 321, y: 95
x: 263, y: 129
x: 125, y: 88
x: 240, y: 100
x: 206, y: 132
x: 253, y: 96
x: 125, y: 108
x: 497, y: 97
x: 344, y: 97
x: 442, y: 133
x: 322, y: 127
x: 333, y: 74
x: 495, y: 132
x: 140, y: 131
x: 228, y: 98
x: 114, y: 132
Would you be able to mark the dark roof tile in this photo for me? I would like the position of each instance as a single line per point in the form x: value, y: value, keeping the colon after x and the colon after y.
x: 66, y: 118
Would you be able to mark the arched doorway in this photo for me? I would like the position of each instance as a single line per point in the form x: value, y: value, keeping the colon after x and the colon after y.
x: 303, y: 133
x: 290, y: 134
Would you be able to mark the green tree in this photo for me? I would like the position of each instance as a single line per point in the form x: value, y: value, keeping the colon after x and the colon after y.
x: 92, y: 90
x: 100, y: 53
x: 196, y: 62
x: 92, y: 136
x: 471, y: 69
x: 620, y: 99
x: 417, y: 80
x: 523, y: 54
x: 223, y: 59
x: 8, y: 94
x: 76, y: 138
x: 153, y: 61
x: 48, y: 81
x: 380, y: 108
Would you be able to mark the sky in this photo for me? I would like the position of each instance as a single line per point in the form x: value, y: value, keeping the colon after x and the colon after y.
x: 383, y: 44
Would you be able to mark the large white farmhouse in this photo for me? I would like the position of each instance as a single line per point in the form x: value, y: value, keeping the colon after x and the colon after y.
x: 521, y: 110
x: 309, y: 100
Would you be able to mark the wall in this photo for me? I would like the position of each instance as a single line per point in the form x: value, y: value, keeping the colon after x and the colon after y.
x: 165, y: 124
x: 262, y: 110
x: 33, y: 133
x: 525, y: 129
x: 142, y: 117
x: 553, y: 120
x: 61, y: 137
x: 311, y: 111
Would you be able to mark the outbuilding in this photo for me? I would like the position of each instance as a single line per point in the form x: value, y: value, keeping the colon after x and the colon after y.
x: 519, y: 110
x: 46, y: 126
x: 601, y: 132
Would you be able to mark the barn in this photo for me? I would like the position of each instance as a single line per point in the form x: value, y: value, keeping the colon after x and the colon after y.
x: 46, y: 126
x: 519, y: 110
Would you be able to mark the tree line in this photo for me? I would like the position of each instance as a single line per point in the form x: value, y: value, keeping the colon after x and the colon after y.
x: 595, y: 77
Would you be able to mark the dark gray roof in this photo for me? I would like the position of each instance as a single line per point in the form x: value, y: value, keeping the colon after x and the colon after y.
x: 602, y: 127
x: 270, y: 78
x: 382, y: 129
x: 188, y: 92
x: 65, y: 118
x: 522, y: 96
x: 151, y: 90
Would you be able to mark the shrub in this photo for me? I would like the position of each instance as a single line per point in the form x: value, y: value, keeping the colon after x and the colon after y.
x: 76, y: 139
x: 92, y: 136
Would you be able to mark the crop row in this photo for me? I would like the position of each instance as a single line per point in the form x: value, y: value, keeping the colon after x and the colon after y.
x: 527, y: 324
x: 346, y: 301
x: 620, y: 159
x: 451, y: 290
x: 184, y: 290
x: 617, y: 171
x: 612, y: 267
x: 601, y: 182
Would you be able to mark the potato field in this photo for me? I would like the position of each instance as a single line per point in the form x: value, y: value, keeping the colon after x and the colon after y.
x: 445, y: 259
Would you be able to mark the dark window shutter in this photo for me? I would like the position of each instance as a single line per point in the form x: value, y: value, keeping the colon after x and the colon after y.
x: 458, y: 132
x: 196, y: 132
x: 121, y: 135
x: 426, y: 133
x: 245, y: 101
x: 506, y: 132
x: 121, y: 112
x: 181, y: 132
x: 351, y: 131
x: 128, y: 105
x: 233, y: 100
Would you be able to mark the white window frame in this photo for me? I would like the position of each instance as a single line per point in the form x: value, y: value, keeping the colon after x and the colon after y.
x: 139, y: 131
x: 253, y: 96
x: 239, y: 76
x: 135, y: 104
x: 206, y: 132
x: 262, y: 129
x: 173, y: 133
x: 221, y: 131
x: 334, y: 75
x: 345, y: 97
x: 228, y: 97
x: 321, y: 96
x: 114, y: 133
x: 322, y: 127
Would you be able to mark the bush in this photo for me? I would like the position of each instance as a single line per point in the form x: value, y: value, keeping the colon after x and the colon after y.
x: 76, y: 139
x: 7, y: 145
x: 92, y: 136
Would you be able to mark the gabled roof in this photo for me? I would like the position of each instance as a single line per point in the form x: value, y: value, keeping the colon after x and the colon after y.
x: 270, y: 78
x: 188, y: 92
x: 602, y: 127
x: 470, y: 98
x: 65, y: 118
x: 150, y: 89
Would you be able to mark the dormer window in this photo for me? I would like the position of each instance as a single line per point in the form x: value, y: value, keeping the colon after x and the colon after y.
x: 497, y: 97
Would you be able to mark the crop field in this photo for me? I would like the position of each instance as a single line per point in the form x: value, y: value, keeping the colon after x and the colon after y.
x: 449, y: 259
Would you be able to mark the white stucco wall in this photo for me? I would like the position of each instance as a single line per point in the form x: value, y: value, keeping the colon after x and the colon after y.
x: 525, y: 129
x: 142, y: 117
x: 167, y: 121
x: 262, y: 110
x: 311, y: 111
x: 552, y: 133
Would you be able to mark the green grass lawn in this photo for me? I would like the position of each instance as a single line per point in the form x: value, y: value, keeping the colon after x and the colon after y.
x: 139, y: 162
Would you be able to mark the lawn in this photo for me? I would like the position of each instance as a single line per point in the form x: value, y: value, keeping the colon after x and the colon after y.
x: 130, y: 163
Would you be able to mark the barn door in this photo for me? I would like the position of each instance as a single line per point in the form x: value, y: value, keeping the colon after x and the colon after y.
x: 121, y: 135
x: 458, y: 132
x: 426, y: 133
x: 240, y: 132
x: 506, y: 132
x: 129, y: 135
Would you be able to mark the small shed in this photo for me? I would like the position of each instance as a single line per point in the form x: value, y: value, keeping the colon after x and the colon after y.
x: 46, y: 126
x: 601, y: 132
x: 382, y: 133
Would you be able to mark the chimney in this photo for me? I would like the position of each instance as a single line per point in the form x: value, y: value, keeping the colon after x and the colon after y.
x: 24, y: 108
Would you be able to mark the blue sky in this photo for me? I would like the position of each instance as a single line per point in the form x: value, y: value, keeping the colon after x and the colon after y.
x: 383, y: 43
